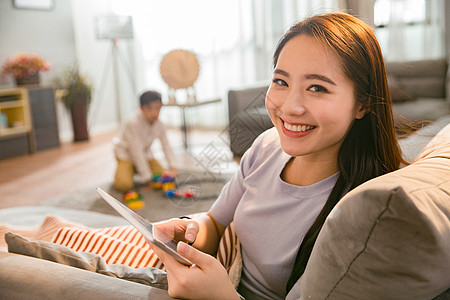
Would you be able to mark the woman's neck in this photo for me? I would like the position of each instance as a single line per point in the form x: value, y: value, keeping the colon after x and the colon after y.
x: 303, y: 171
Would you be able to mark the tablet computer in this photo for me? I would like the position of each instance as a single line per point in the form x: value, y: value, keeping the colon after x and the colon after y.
x: 151, y: 233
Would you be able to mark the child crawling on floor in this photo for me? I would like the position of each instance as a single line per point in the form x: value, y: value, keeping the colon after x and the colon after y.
x: 132, y: 146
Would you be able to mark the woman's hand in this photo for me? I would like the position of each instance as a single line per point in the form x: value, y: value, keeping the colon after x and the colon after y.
x: 206, y: 279
x: 185, y: 230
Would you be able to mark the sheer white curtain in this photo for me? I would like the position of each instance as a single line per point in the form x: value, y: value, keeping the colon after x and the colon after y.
x: 410, y: 29
x: 234, y: 41
x: 271, y: 19
x: 219, y: 32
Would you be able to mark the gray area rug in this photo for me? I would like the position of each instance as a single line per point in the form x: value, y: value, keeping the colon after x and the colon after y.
x: 157, y: 207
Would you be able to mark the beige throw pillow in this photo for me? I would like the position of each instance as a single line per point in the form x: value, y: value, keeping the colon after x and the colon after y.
x: 390, y: 237
x: 83, y: 260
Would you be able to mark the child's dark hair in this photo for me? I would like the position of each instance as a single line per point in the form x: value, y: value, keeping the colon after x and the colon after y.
x: 149, y: 96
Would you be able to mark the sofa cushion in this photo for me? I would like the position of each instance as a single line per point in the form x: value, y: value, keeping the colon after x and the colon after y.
x: 414, y: 144
x: 247, y: 116
x: 35, y: 215
x: 390, y: 237
x: 426, y: 87
x: 398, y: 91
x: 25, y: 277
x: 243, y: 99
x: 418, y: 69
x: 421, y: 109
x: 83, y: 260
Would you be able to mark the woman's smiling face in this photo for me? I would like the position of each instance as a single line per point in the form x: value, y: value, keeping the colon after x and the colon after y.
x: 310, y: 101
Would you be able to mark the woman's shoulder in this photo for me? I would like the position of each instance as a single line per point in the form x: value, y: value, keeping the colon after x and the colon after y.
x: 266, y: 145
x: 268, y: 140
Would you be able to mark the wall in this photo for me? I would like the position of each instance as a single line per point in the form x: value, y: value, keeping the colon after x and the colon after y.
x: 96, y: 59
x: 48, y: 33
x: 63, y: 35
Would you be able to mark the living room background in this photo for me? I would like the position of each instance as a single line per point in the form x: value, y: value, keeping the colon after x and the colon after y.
x: 233, y: 40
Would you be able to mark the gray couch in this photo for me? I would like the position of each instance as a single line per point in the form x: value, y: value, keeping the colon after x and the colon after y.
x: 420, y: 91
x: 26, y: 277
x: 401, y: 242
x: 247, y: 117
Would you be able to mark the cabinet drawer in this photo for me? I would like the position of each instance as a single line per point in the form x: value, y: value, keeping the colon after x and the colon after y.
x: 14, y: 146
x: 46, y: 138
x: 42, y: 102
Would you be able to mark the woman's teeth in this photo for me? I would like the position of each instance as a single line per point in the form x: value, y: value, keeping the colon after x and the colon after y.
x: 298, y: 128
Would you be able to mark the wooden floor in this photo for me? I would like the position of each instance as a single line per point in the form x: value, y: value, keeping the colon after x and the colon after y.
x: 30, y: 179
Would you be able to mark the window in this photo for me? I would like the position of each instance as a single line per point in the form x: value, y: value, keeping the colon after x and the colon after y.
x: 408, y: 12
x: 410, y: 29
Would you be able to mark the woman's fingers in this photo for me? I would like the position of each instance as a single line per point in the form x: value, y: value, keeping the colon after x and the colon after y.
x: 179, y: 229
x: 191, y: 231
x: 206, y: 279
x: 197, y: 257
x: 168, y: 261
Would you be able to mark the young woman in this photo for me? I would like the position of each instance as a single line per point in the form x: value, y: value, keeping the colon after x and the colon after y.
x: 330, y: 104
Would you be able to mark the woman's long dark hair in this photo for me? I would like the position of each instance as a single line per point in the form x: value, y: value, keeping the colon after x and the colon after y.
x: 370, y: 148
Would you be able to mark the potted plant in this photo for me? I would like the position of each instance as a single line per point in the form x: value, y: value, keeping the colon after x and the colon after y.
x: 74, y: 90
x: 25, y: 68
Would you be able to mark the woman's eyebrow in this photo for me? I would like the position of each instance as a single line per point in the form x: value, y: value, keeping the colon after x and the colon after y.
x: 281, y: 72
x: 319, y: 77
x: 307, y: 76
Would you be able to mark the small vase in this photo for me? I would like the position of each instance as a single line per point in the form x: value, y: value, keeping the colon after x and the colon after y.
x: 32, y: 79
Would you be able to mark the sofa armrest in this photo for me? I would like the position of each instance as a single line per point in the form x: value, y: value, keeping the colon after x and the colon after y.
x: 24, y: 277
x: 243, y: 99
x: 247, y: 117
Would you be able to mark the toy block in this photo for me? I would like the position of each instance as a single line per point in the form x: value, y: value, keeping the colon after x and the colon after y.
x: 189, y: 194
x: 157, y: 185
x: 168, y: 186
x: 133, y: 200
x: 136, y: 205
x: 167, y: 178
x: 172, y: 194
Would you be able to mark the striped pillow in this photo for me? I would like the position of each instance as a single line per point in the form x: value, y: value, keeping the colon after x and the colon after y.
x: 229, y: 254
x: 117, y: 245
x: 127, y: 246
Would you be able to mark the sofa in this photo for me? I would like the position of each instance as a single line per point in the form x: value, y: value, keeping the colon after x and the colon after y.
x: 420, y: 91
x: 387, y: 239
x: 247, y: 117
x: 28, y: 277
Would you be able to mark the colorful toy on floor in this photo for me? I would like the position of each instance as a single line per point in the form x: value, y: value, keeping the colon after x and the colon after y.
x: 168, y: 186
x: 172, y: 194
x: 133, y: 200
x: 189, y: 194
x: 167, y: 183
x: 159, y: 180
